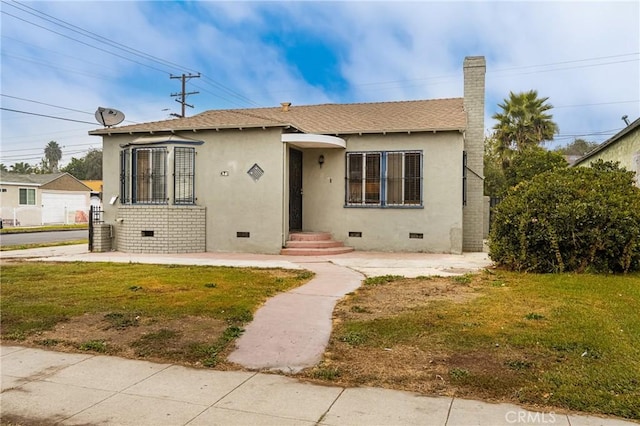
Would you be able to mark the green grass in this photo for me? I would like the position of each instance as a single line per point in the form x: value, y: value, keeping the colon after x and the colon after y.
x: 21, y: 230
x: 37, y: 296
x: 40, y: 245
x: 564, y: 340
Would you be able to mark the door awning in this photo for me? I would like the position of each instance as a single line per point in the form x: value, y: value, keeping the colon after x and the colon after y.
x: 310, y: 140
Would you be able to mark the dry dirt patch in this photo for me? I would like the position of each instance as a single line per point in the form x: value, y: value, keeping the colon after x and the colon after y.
x: 416, y: 368
x: 122, y: 335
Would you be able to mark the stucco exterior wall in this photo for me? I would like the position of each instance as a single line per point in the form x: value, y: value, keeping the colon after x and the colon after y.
x: 388, y: 229
x: 242, y: 214
x: 626, y: 150
x: 235, y: 201
x: 10, y: 208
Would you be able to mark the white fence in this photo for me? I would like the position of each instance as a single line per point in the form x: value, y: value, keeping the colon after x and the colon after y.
x: 33, y: 216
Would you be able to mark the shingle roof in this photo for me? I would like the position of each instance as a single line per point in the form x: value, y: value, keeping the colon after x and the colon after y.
x: 30, y: 179
x: 328, y: 119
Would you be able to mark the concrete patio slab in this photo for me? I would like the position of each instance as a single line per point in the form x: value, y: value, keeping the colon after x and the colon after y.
x: 48, y: 403
x: 203, y: 387
x: 221, y: 416
x: 123, y: 410
x: 371, y: 406
x: 32, y: 364
x: 279, y: 396
x: 413, y: 265
x: 475, y: 413
x: 90, y: 372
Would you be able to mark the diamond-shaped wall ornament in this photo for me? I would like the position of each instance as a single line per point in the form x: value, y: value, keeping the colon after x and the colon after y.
x: 255, y: 172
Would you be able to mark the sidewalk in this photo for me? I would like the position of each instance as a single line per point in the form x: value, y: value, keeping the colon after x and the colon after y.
x: 42, y: 387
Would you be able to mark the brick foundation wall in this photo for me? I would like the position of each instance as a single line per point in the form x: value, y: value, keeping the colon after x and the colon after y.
x: 161, y: 229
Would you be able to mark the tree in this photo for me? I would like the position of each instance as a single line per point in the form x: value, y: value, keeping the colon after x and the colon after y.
x: 523, y: 123
x: 22, y: 168
x: 93, y: 164
x: 523, y: 165
x: 527, y: 164
x: 88, y: 167
x: 495, y: 184
x: 574, y: 219
x: 76, y: 168
x: 3, y: 167
x: 52, y: 156
x: 577, y: 147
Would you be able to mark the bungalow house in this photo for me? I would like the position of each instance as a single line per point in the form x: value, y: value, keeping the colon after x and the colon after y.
x: 623, y: 147
x: 390, y: 176
x: 38, y: 199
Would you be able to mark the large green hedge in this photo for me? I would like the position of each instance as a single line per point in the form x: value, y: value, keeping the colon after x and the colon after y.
x: 578, y: 219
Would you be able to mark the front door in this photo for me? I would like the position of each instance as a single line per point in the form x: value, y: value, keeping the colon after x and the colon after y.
x: 295, y: 190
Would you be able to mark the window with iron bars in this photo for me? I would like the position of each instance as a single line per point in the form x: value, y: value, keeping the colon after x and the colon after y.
x: 384, y: 179
x: 183, y: 175
x: 144, y: 179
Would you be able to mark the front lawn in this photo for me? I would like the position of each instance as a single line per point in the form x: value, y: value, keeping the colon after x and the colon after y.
x: 185, y: 314
x: 559, y: 341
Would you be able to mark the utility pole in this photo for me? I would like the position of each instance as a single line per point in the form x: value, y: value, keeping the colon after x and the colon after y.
x: 183, y: 95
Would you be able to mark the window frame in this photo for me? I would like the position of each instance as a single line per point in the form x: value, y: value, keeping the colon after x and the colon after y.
x: 390, y: 190
x: 26, y: 191
x: 181, y: 180
x: 162, y: 164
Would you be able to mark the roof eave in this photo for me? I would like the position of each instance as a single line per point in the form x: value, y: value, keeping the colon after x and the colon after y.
x: 615, y: 138
x: 194, y: 129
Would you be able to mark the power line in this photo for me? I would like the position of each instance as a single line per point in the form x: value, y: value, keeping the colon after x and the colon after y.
x: 597, y: 104
x: 87, y: 44
x: 95, y: 36
x: 47, y: 116
x: 43, y: 103
x: 122, y: 47
x: 40, y: 149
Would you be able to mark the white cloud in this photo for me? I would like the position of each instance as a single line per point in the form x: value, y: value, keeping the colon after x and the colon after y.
x: 387, y: 51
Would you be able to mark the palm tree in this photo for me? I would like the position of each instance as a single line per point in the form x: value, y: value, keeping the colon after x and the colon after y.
x: 21, y: 168
x: 52, y: 155
x: 524, y: 122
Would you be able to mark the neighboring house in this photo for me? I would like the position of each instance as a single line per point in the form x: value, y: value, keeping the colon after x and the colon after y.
x: 624, y: 147
x: 96, y: 191
x: 38, y: 199
x: 391, y: 176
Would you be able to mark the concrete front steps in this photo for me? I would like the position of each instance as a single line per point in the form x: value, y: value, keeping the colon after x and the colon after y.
x: 313, y: 244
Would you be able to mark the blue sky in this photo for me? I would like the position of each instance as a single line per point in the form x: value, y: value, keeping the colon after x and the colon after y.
x: 64, y: 59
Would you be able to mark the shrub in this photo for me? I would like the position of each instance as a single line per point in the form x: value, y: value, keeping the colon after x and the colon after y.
x: 578, y: 219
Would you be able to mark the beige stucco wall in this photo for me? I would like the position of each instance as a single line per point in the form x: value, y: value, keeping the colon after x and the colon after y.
x: 234, y: 201
x: 626, y: 150
x: 388, y: 229
x: 26, y: 215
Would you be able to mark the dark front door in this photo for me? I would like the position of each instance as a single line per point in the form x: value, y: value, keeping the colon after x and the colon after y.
x: 295, y: 190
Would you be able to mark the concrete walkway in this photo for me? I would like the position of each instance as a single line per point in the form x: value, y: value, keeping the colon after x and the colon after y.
x: 45, y: 388
x: 291, y: 330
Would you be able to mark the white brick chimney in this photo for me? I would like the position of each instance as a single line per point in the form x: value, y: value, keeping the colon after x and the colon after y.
x: 473, y: 216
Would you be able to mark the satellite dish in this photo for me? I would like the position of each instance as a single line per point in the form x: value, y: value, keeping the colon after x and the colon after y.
x: 109, y: 117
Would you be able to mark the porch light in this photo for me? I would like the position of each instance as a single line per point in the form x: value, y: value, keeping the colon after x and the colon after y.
x: 321, y: 160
